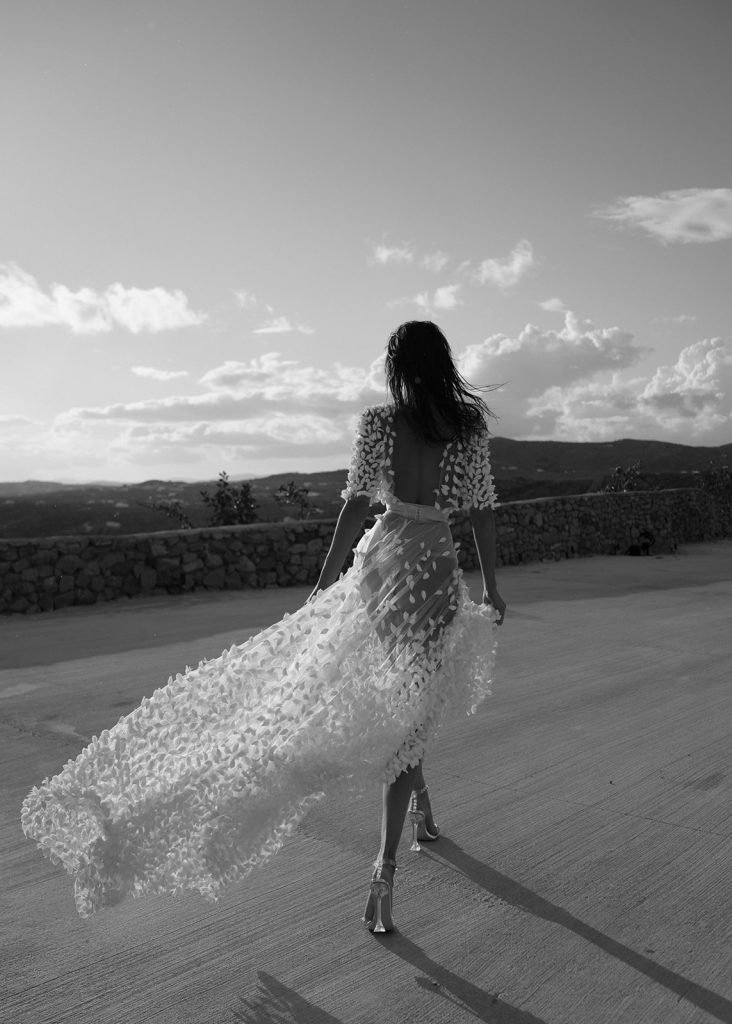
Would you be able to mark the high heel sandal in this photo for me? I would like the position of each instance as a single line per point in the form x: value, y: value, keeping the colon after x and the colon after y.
x: 419, y: 823
x: 380, y: 893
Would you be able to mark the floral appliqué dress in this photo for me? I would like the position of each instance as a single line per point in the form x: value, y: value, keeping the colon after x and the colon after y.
x: 203, y: 781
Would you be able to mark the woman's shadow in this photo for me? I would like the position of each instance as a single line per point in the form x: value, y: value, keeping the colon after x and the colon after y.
x: 275, y: 1003
x: 456, y: 991
x: 519, y: 896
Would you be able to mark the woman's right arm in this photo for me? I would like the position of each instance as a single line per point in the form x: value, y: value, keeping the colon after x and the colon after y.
x: 483, y: 521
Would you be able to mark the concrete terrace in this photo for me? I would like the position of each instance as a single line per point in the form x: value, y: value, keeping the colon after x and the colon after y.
x: 583, y: 875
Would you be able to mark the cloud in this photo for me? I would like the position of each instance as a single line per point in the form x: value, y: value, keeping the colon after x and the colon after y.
x: 504, y: 273
x: 696, y: 390
x: 533, y: 362
x: 399, y: 254
x: 689, y: 402
x: 245, y: 299
x: 282, y: 325
x: 24, y: 304
x: 446, y: 297
x: 152, y: 309
x: 153, y: 374
x: 685, y: 215
x: 274, y: 324
x: 681, y: 318
x: 239, y: 391
x: 272, y: 413
x: 11, y: 421
x: 585, y: 411
x: 553, y: 305
x: 434, y: 261
x: 443, y: 298
x: 280, y: 429
x: 267, y: 408
x: 535, y: 358
x: 272, y: 380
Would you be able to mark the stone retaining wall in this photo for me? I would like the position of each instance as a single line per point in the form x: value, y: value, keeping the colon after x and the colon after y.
x: 53, y: 572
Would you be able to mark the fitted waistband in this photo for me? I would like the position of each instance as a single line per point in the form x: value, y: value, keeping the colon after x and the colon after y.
x: 418, y: 513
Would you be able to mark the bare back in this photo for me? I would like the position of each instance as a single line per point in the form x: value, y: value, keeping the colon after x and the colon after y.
x: 416, y: 464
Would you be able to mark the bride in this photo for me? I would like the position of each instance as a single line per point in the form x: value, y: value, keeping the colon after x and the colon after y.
x: 203, y: 781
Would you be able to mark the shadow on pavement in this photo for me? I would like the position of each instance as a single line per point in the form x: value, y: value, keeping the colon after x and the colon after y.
x: 519, y: 896
x: 275, y: 1003
x: 456, y: 991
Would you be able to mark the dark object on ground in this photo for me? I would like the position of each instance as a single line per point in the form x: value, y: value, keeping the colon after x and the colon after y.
x: 646, y: 540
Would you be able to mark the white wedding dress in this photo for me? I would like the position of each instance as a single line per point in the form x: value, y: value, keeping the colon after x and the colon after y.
x: 203, y: 781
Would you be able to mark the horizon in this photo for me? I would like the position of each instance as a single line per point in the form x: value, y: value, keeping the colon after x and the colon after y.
x: 214, y: 217
x: 237, y: 478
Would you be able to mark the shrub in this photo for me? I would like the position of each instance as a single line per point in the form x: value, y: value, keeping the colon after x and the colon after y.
x: 230, y: 505
x: 292, y: 494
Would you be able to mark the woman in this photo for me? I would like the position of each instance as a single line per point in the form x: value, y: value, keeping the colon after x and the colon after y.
x: 203, y: 781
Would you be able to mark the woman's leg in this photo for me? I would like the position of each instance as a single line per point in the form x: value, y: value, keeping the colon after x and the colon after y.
x: 419, y: 782
x: 396, y: 803
x: 423, y: 801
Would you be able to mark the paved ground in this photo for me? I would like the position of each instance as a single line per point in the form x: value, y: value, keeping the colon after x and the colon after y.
x: 584, y: 872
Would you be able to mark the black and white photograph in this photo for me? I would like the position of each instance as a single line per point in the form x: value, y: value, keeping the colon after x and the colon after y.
x: 365, y: 512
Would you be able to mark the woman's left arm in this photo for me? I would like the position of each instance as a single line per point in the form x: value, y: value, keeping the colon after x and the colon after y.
x: 349, y: 525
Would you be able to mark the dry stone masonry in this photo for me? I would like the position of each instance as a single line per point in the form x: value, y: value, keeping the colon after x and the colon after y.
x: 54, y: 572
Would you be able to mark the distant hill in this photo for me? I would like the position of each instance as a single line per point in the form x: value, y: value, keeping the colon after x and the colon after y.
x: 596, y: 459
x: 523, y: 470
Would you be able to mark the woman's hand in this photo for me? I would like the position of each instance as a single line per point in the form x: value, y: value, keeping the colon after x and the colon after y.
x: 493, y: 598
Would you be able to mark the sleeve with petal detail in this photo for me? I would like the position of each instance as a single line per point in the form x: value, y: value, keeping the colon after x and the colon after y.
x: 366, y: 471
x: 478, y: 490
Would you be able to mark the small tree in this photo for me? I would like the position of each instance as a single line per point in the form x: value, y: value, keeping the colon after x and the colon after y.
x: 625, y: 478
x: 230, y: 505
x: 291, y: 494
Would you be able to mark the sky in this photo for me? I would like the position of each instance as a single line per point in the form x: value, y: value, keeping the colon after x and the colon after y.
x: 212, y: 215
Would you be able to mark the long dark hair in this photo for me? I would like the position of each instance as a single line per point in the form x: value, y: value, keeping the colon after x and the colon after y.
x: 424, y: 381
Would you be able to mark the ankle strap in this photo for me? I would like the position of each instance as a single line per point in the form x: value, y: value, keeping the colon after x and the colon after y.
x: 379, y: 862
x: 419, y: 792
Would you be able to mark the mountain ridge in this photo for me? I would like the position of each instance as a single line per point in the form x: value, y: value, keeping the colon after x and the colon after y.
x: 519, y: 456
x: 522, y: 469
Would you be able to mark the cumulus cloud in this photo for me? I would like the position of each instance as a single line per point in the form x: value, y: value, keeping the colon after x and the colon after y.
x: 584, y: 411
x: 443, y: 298
x: 152, y: 309
x: 23, y: 303
x: 155, y: 374
x: 685, y: 215
x: 577, y: 382
x: 696, y: 390
x: 399, y: 254
x: 282, y: 325
x: 689, y: 401
x: 535, y: 356
x: 506, y: 272
x: 434, y: 261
